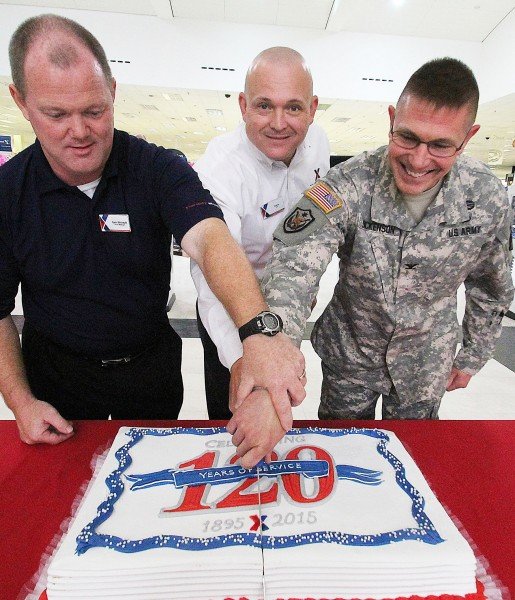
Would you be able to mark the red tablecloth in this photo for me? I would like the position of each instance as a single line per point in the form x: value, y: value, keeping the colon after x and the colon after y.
x: 469, y: 464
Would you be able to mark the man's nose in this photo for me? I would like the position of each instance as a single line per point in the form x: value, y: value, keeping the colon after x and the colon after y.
x: 278, y: 120
x: 420, y: 155
x: 78, y: 127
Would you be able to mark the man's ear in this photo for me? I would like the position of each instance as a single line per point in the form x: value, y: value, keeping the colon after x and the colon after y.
x: 242, y: 100
x: 313, y: 107
x: 472, y: 132
x: 19, y: 100
x: 391, y: 113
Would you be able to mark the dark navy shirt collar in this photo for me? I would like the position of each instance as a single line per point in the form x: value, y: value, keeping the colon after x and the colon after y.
x: 49, y: 181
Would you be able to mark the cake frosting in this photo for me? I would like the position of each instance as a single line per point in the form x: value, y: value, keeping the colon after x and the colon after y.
x: 336, y: 514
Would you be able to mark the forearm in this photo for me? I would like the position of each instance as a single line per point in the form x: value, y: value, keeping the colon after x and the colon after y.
x: 226, y: 269
x: 482, y: 327
x: 216, y: 320
x: 13, y: 382
x: 489, y: 292
x: 232, y: 279
x: 292, y: 277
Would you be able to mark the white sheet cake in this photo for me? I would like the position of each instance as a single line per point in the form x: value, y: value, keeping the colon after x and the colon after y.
x: 337, y: 514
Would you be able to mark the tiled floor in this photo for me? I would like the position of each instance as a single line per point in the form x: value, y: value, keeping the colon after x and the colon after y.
x: 490, y: 394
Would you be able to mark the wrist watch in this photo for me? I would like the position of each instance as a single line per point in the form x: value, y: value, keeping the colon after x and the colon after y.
x: 266, y: 322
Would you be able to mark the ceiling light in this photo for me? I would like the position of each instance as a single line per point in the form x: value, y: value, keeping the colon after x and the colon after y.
x: 221, y: 128
x: 173, y: 97
x: 214, y: 112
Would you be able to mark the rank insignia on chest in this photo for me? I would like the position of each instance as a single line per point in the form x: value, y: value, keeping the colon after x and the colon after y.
x: 298, y: 220
x: 324, y: 197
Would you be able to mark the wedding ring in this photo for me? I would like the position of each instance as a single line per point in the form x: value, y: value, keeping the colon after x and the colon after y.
x: 302, y: 375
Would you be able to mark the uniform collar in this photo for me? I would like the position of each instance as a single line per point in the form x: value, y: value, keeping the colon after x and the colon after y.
x: 268, y: 162
x: 48, y: 180
x: 388, y: 207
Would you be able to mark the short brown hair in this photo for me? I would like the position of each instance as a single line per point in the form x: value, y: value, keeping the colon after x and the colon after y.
x: 444, y: 82
x: 64, y: 56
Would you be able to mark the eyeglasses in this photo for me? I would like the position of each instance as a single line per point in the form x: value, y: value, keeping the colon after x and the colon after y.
x: 409, y: 141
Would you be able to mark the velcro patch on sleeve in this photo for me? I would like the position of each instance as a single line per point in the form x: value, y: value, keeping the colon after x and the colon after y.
x: 298, y: 220
x: 324, y: 197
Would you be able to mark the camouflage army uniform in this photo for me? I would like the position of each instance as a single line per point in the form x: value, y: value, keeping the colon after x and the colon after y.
x: 391, y: 326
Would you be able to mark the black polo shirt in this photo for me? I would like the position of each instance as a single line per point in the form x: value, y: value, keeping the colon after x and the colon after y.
x: 101, y: 294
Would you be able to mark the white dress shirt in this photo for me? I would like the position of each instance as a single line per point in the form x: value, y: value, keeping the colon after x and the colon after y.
x: 255, y: 194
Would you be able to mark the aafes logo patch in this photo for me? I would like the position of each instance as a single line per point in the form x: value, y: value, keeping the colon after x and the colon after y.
x: 459, y: 231
x: 298, y: 220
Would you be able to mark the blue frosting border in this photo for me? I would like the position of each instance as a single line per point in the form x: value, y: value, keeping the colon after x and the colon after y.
x: 89, y: 537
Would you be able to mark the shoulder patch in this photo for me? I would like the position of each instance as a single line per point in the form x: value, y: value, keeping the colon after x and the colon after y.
x: 298, y: 220
x: 324, y: 197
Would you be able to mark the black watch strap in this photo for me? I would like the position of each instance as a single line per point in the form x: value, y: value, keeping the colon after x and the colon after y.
x: 266, y: 322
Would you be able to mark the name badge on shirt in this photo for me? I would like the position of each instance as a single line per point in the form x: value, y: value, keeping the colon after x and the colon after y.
x: 272, y: 208
x: 114, y: 223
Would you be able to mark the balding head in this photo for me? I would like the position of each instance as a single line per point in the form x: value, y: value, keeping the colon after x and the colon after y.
x: 60, y: 39
x: 278, y: 105
x: 66, y: 96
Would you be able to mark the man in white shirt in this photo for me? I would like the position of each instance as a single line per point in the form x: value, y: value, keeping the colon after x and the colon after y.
x: 256, y: 174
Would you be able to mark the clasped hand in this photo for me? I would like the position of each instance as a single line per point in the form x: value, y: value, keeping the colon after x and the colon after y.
x: 265, y: 384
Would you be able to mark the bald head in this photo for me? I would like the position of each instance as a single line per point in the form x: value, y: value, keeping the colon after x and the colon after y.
x: 285, y: 58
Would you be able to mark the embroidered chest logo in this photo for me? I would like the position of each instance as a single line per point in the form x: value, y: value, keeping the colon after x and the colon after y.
x: 298, y: 220
x: 459, y: 231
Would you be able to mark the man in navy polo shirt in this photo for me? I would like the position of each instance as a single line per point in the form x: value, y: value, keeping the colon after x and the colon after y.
x: 86, y: 218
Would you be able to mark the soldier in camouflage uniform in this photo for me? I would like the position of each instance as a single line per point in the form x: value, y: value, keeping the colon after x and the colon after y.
x: 410, y: 222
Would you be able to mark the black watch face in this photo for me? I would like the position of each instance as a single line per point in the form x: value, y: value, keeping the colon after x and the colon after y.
x: 270, y: 321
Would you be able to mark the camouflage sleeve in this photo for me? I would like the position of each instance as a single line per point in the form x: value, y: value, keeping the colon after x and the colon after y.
x: 489, y: 293
x: 303, y: 247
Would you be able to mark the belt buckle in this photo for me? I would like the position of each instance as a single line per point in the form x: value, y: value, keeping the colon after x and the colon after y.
x: 115, y: 362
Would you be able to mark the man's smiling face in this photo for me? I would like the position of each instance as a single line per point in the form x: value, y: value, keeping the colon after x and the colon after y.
x: 416, y: 170
x: 278, y: 107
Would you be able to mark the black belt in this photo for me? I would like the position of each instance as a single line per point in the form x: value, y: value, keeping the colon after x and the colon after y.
x: 116, y: 362
x: 106, y: 363
x: 123, y: 360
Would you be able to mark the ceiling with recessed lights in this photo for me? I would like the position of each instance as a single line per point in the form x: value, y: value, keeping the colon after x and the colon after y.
x: 188, y: 118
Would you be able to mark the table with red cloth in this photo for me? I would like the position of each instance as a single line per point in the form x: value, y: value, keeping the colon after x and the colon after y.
x: 469, y: 464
